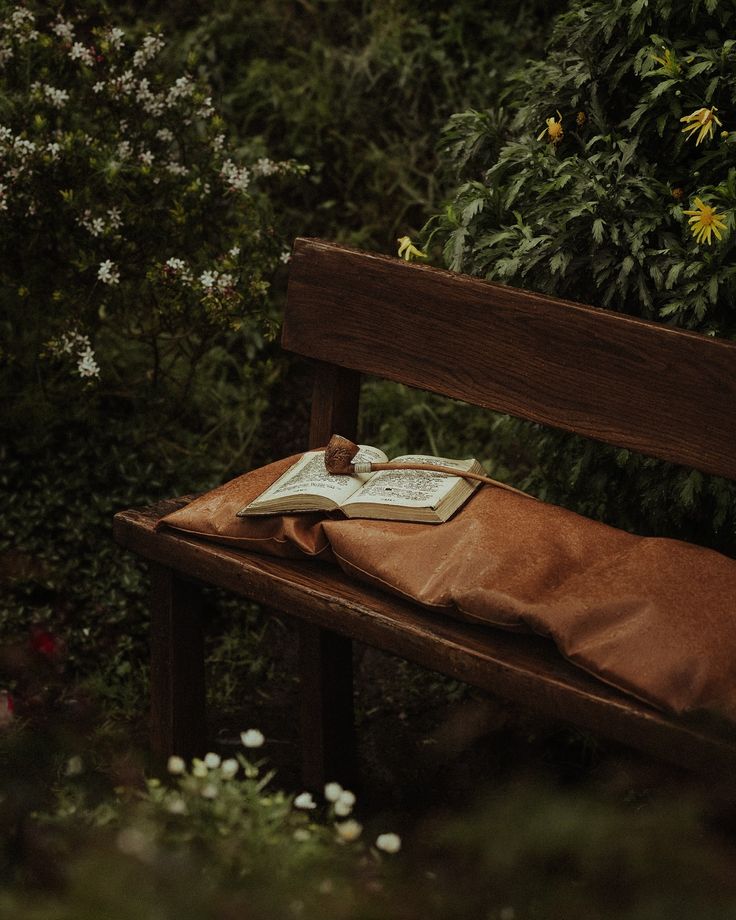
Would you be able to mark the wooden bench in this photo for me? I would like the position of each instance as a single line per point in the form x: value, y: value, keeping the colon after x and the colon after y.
x: 667, y: 393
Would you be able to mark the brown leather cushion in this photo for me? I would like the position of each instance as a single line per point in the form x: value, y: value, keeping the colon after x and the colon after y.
x: 213, y: 516
x: 653, y: 617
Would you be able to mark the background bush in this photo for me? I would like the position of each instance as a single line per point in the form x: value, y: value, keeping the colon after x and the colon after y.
x: 598, y: 216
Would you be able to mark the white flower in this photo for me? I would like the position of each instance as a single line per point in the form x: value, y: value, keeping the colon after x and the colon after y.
x: 86, y: 364
x: 304, y: 800
x: 78, y: 52
x: 114, y: 219
x: 65, y: 30
x: 333, y: 791
x: 209, y: 791
x: 212, y: 760
x: 234, y: 252
x: 53, y: 150
x: 98, y: 87
x: 344, y: 804
x: 150, y: 47
x: 264, y: 167
x: 146, y: 157
x: 108, y: 272
x: 389, y: 843
x: 176, y: 169
x: 57, y: 97
x: 285, y: 256
x: 199, y: 768
x: 218, y: 142
x: 229, y: 768
x: 252, y: 738
x: 176, y: 765
x: 236, y: 177
x: 165, y: 135
x: 207, y: 279
x: 116, y: 38
x: 349, y: 830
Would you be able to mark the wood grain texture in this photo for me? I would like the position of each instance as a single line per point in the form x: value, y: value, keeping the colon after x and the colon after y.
x: 177, y: 666
x: 526, y: 669
x: 664, y: 392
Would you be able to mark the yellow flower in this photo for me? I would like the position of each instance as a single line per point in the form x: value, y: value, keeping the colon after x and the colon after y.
x: 668, y: 62
x: 703, y: 120
x: 705, y: 221
x: 581, y: 118
x: 408, y: 251
x: 553, y: 130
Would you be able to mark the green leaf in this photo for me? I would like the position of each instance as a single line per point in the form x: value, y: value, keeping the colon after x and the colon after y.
x: 598, y: 226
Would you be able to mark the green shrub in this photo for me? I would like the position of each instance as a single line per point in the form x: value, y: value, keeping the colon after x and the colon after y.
x: 359, y: 91
x: 582, y: 188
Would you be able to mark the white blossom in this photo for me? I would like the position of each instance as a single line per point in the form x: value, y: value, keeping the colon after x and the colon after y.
x: 182, y: 88
x: 165, y: 134
x: 304, y: 800
x: 236, y: 177
x: 389, y: 843
x: 285, y: 256
x: 229, y: 768
x: 57, y: 97
x: 53, y: 150
x: 65, y: 30
x: 98, y: 87
x: 207, y: 279
x: 234, y: 252
x: 176, y: 765
x: 333, y: 791
x: 146, y: 157
x: 176, y: 169
x: 349, y: 830
x: 150, y: 47
x: 212, y: 760
x: 74, y: 766
x: 87, y: 365
x: 108, y: 272
x: 264, y: 167
x: 199, y: 768
x: 252, y: 738
x: 115, y: 37
x: 79, y: 52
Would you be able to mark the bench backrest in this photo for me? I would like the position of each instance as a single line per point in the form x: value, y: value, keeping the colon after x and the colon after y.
x: 661, y: 391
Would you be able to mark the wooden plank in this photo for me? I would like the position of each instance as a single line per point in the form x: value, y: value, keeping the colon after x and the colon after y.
x: 665, y: 392
x: 525, y: 669
x: 177, y: 666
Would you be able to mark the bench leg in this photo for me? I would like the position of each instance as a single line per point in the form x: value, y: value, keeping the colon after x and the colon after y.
x: 328, y: 731
x: 177, y: 667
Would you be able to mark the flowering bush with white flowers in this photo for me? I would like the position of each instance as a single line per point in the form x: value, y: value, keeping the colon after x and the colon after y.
x: 133, y: 236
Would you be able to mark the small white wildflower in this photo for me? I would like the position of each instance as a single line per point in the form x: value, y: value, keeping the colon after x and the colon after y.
x: 78, y: 52
x: 212, y: 760
x: 98, y: 86
x: 165, y: 135
x: 304, y: 800
x: 229, y: 768
x: 176, y: 765
x: 183, y: 88
x: 116, y: 38
x: 218, y: 142
x: 209, y: 791
x: 389, y: 843
x: 207, y: 279
x: 146, y: 157
x: 114, y: 218
x: 176, y: 169
x: 87, y: 366
x: 57, y: 97
x: 236, y: 177
x: 264, y: 167
x: 333, y: 791
x: 285, y: 256
x: 64, y: 30
x: 234, y: 252
x: 349, y: 830
x: 252, y: 738
x: 301, y: 835
x: 53, y: 150
x: 150, y: 47
x: 199, y: 768
x: 108, y: 272
x: 344, y: 804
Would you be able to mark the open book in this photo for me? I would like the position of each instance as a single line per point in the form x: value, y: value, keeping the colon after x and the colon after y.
x: 390, y: 495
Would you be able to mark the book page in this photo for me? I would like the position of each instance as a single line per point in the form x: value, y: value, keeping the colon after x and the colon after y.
x: 410, y: 488
x: 309, y: 477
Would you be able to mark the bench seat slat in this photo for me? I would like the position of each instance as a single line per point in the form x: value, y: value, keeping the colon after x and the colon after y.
x: 644, y: 386
x: 526, y: 669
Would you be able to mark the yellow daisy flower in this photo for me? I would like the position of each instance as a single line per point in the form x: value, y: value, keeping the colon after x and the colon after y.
x: 702, y: 120
x: 668, y: 62
x: 705, y: 221
x: 553, y: 130
x: 408, y: 251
